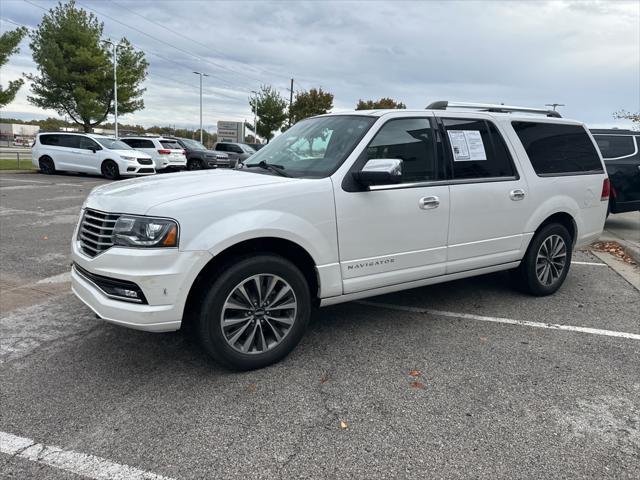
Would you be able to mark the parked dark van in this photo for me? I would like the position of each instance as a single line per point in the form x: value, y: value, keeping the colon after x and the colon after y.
x: 621, y: 152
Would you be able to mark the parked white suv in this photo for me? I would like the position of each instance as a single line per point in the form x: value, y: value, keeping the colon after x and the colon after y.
x: 88, y: 153
x: 337, y: 208
x: 167, y: 153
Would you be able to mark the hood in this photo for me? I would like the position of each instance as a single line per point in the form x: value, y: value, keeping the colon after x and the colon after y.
x: 131, y: 153
x: 138, y: 195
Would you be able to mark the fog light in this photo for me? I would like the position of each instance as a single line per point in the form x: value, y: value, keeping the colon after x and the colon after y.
x: 125, y: 292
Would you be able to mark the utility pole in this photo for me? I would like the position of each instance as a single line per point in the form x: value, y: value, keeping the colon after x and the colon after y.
x: 554, y: 105
x: 201, y: 75
x: 115, y: 84
x: 290, y: 102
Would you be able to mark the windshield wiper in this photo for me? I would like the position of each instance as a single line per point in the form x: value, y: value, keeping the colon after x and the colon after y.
x: 278, y: 169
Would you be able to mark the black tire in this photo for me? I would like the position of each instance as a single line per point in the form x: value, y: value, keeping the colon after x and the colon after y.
x: 47, y: 165
x: 110, y: 170
x: 195, y: 164
x: 527, y: 274
x: 209, y: 327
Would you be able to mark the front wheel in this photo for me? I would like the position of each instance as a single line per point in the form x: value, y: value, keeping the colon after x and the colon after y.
x: 255, y: 312
x: 195, y: 164
x: 546, y: 263
x: 110, y: 170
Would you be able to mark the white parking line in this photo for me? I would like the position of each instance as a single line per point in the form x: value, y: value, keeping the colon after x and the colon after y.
x: 589, y: 263
x: 75, y: 462
x: 509, y: 321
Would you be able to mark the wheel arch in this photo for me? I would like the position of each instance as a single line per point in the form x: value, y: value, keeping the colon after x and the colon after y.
x: 566, y: 220
x: 274, y: 245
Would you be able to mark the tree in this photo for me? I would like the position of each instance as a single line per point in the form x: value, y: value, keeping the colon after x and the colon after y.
x: 9, y: 42
x: 634, y: 117
x: 76, y: 70
x: 379, y: 104
x: 271, y: 110
x: 310, y: 103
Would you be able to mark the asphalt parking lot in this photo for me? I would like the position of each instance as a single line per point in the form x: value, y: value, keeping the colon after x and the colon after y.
x: 465, y: 379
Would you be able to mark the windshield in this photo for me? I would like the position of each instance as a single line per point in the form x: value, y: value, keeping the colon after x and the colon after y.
x: 112, y: 143
x: 193, y: 144
x: 246, y: 148
x: 314, y: 147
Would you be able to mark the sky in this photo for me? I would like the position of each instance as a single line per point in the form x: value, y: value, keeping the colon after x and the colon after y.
x: 584, y: 54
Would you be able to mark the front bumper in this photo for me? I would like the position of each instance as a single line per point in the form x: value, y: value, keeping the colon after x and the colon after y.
x: 133, y: 168
x: 165, y: 277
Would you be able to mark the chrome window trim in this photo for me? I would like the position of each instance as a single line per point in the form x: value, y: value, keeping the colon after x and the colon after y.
x: 441, y: 183
x: 633, y: 138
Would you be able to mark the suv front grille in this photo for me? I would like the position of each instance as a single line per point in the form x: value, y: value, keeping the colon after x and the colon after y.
x: 145, y: 161
x: 96, y: 231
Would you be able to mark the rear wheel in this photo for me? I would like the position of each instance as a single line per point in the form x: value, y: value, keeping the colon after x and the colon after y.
x: 195, y: 164
x: 47, y: 166
x: 255, y: 312
x: 546, y: 263
x: 110, y: 170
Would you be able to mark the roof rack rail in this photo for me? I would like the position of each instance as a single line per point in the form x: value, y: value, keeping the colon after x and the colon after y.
x: 490, y: 107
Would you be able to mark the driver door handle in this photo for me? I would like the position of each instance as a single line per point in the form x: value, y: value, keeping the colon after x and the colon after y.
x: 427, y: 203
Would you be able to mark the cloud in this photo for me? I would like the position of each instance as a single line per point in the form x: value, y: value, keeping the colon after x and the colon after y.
x: 583, y: 54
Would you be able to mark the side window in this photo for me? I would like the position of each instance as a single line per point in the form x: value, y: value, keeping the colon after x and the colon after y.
x: 222, y: 147
x: 132, y: 142
x: 50, y: 140
x: 478, y: 149
x: 614, y: 146
x: 410, y: 140
x: 555, y: 148
x: 70, y: 141
x: 236, y: 149
x: 87, y: 144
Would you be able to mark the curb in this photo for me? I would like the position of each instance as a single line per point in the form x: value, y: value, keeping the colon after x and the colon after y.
x: 628, y: 247
x: 33, y: 170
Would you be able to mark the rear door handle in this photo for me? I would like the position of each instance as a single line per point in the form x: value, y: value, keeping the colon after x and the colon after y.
x: 517, y: 194
x: 427, y: 203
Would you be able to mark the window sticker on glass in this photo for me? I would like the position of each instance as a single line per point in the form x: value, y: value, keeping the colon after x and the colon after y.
x: 467, y: 145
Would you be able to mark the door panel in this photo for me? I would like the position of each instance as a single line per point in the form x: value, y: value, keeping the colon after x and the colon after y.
x: 385, y: 237
x: 394, y: 234
x: 490, y: 202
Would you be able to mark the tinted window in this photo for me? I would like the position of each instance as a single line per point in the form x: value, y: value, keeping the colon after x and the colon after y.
x: 87, y: 144
x: 613, y: 146
x: 112, y: 144
x: 172, y: 144
x: 138, y: 143
x: 70, y: 141
x: 50, y: 140
x: 478, y: 149
x: 556, y: 149
x: 410, y: 140
x: 235, y: 149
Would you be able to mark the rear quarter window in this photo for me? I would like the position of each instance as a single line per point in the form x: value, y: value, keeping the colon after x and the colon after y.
x: 614, y: 146
x: 558, y: 149
x: 51, y: 140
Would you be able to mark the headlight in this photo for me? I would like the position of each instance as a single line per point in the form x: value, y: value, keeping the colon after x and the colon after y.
x: 127, y: 158
x: 131, y: 231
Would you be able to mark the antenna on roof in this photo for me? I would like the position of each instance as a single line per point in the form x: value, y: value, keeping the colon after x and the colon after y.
x: 554, y: 105
x: 490, y: 107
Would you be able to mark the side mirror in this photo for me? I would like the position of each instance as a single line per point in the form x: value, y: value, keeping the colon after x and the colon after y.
x: 383, y: 171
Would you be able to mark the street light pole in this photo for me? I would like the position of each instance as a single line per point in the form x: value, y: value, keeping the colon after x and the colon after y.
x: 201, y: 75
x: 255, y: 116
x: 115, y: 84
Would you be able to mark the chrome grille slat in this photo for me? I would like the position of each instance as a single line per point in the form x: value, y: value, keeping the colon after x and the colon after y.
x: 96, y: 232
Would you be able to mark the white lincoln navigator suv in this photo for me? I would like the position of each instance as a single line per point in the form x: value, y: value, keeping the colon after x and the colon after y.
x: 341, y: 207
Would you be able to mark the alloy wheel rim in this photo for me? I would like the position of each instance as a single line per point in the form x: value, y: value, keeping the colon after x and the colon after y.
x: 551, y: 260
x: 258, y: 313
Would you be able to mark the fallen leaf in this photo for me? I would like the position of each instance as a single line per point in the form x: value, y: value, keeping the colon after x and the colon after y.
x: 483, y: 339
x: 417, y: 384
x: 252, y: 387
x: 415, y: 373
x: 324, y: 378
x: 343, y: 425
x: 45, y: 238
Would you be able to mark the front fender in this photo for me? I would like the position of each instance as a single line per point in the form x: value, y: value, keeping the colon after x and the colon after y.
x: 249, y: 225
